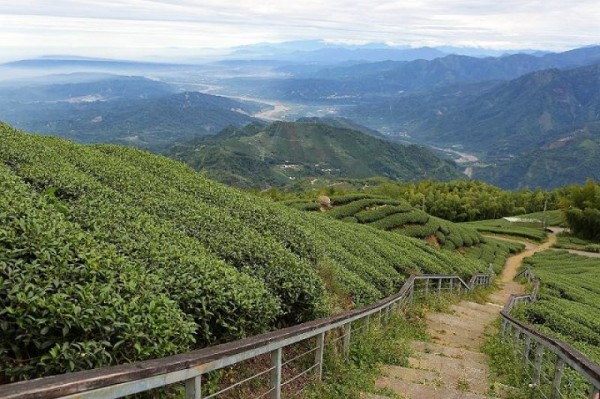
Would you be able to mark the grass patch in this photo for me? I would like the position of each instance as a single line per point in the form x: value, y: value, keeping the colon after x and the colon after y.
x: 569, y: 241
x: 553, y: 218
x: 370, y: 350
x: 528, y: 231
x: 505, y: 367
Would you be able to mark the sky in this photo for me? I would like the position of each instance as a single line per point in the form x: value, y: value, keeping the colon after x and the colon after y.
x: 136, y: 29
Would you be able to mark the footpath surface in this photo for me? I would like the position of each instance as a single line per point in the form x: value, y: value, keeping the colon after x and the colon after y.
x: 452, y: 366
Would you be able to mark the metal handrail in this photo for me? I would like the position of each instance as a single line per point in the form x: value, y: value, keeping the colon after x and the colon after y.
x: 127, y: 379
x: 566, y: 354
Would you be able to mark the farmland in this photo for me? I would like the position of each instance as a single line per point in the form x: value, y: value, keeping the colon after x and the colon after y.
x: 567, y: 307
x: 502, y: 227
x: 112, y: 255
x: 393, y: 215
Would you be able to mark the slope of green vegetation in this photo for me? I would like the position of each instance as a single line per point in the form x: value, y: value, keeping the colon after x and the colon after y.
x: 109, y: 254
x: 493, y: 252
x: 553, y: 217
x: 568, y: 300
x: 581, y: 210
x: 467, y: 200
x: 529, y: 231
x: 276, y: 154
x: 393, y: 215
x: 569, y: 241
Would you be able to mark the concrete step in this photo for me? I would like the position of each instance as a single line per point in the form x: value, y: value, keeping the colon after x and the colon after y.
x: 470, y: 313
x: 410, y: 390
x: 456, y: 336
x: 437, y: 320
x: 453, y: 372
x: 457, y: 353
x: 485, y: 308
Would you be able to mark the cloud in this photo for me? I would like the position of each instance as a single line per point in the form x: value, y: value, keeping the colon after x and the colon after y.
x: 138, y: 27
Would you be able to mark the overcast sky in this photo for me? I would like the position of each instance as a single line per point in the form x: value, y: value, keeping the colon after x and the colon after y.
x: 138, y: 28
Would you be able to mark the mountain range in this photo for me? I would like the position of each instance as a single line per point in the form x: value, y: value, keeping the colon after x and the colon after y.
x: 360, y: 83
x: 525, y: 116
x: 128, y: 110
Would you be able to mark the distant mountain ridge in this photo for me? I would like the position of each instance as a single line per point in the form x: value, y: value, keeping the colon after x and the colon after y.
x: 572, y: 159
x: 275, y: 154
x: 115, y: 109
x: 362, y: 82
x: 525, y: 113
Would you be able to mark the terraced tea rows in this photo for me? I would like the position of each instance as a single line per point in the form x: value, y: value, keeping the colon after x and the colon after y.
x: 567, y: 306
x: 111, y: 255
x: 503, y: 227
x: 396, y: 216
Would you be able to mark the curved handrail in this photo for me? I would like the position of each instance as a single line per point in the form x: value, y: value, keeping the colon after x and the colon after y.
x: 574, y: 358
x: 198, y: 362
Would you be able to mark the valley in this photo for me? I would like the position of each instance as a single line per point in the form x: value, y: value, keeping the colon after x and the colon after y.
x: 299, y: 199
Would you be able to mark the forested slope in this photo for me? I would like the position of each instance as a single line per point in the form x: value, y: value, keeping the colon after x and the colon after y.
x: 109, y: 254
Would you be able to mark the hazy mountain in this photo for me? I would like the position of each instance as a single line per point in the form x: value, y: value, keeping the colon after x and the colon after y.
x: 360, y: 83
x: 322, y: 52
x: 571, y: 159
x: 131, y: 110
x: 82, y: 87
x: 523, y: 114
x: 84, y: 63
x: 262, y: 156
x: 343, y: 123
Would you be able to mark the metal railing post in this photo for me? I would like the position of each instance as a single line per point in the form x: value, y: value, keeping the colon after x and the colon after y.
x: 503, y: 327
x: 451, y: 285
x: 387, y: 315
x: 539, y: 357
x: 412, y: 294
x: 516, y: 338
x: 558, y: 373
x: 426, y: 286
x: 526, y: 350
x: 193, y: 388
x: 276, y: 374
x: 319, y: 354
x: 439, y: 287
x: 346, y: 343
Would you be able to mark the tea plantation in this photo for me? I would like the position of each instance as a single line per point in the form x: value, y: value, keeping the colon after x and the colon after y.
x: 396, y: 216
x: 111, y: 255
x: 567, y: 307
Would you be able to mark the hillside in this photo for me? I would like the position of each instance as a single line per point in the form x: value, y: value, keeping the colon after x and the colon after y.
x: 571, y: 159
x: 114, y: 109
x: 523, y: 114
x: 399, y: 217
x: 259, y: 156
x: 393, y: 215
x: 567, y: 307
x: 123, y: 255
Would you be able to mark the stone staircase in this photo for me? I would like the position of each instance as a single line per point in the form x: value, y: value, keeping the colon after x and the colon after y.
x: 451, y: 366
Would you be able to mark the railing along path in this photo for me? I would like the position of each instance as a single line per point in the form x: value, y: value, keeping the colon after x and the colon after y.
x: 189, y: 368
x: 555, y: 369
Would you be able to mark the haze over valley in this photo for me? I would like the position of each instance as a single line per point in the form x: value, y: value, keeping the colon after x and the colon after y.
x: 488, y: 113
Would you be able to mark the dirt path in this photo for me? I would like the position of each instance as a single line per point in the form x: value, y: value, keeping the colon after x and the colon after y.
x: 514, y: 262
x: 452, y: 366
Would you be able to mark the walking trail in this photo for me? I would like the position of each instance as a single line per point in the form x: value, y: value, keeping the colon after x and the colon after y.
x: 452, y: 366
